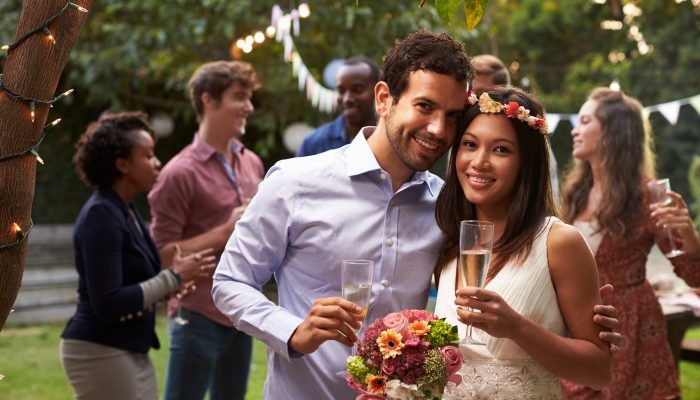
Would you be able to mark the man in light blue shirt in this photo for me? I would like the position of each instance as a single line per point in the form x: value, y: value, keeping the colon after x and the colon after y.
x: 372, y: 199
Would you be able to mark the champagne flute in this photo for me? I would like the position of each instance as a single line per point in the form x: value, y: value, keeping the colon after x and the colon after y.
x: 658, y: 195
x: 356, y: 287
x: 357, y: 284
x: 475, y: 246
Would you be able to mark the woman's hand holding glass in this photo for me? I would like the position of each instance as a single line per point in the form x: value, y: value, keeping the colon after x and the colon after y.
x: 489, y: 312
x: 670, y: 212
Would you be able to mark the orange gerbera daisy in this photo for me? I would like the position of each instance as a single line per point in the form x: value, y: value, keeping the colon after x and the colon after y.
x: 390, y: 343
x: 418, y: 328
x: 375, y: 383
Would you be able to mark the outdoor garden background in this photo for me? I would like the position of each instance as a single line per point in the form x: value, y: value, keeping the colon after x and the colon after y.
x: 139, y: 56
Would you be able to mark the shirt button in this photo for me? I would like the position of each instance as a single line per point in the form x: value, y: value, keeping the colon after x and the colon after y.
x: 389, y: 242
x: 385, y: 283
x: 129, y: 316
x: 382, y: 176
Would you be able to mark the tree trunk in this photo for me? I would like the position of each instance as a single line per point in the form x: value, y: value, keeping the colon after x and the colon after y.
x: 31, y: 70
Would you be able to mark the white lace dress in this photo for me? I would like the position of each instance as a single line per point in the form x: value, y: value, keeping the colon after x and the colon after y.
x: 501, y: 369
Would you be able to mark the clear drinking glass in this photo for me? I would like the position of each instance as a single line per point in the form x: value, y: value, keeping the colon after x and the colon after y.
x: 357, y: 283
x: 475, y: 246
x: 658, y: 195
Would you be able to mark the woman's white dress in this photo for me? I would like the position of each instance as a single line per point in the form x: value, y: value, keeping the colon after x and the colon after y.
x: 501, y: 369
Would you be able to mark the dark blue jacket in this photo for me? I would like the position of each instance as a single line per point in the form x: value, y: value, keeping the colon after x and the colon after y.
x: 326, y: 137
x: 112, y: 257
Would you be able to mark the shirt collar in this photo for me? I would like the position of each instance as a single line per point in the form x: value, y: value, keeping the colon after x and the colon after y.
x: 359, y: 156
x: 361, y: 159
x: 203, y: 150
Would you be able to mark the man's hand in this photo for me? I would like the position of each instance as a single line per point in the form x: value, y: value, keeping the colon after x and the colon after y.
x: 329, y: 319
x: 605, y: 316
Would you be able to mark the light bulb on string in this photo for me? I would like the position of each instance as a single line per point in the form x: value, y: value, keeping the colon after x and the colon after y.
x: 17, y: 231
x: 79, y: 8
x: 32, y: 110
x: 49, y: 35
x: 270, y: 31
x: 5, y: 48
x: 53, y: 123
x: 36, y: 155
x: 249, y: 40
x: 304, y: 10
x: 240, y: 43
x: 259, y: 37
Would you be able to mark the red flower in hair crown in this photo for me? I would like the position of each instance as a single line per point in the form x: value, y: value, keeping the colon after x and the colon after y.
x: 488, y: 105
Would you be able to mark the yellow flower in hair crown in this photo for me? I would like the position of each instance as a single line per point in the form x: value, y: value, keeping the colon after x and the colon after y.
x: 487, y: 105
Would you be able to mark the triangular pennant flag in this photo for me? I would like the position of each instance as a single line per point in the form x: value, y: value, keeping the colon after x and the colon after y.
x: 670, y: 111
x: 296, y: 63
x: 303, y: 74
x: 695, y: 102
x: 573, y: 120
x: 288, y: 47
x: 553, y: 121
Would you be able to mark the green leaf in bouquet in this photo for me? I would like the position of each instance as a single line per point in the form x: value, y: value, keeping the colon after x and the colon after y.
x: 441, y: 333
x: 358, y: 370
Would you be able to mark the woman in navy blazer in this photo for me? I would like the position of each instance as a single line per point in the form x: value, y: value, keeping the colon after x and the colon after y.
x: 104, y: 347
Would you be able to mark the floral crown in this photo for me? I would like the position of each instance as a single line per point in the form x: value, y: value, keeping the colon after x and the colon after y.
x: 511, y: 110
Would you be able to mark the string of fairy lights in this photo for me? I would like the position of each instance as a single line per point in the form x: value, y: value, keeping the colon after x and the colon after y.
x: 33, y: 151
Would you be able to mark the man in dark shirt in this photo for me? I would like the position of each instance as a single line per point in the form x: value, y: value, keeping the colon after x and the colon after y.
x: 355, y: 82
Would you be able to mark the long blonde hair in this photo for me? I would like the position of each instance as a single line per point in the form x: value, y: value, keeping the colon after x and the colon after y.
x: 627, y: 153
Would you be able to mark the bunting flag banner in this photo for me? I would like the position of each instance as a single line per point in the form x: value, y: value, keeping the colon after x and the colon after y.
x: 286, y: 26
x: 670, y: 111
x: 573, y: 119
x: 695, y: 102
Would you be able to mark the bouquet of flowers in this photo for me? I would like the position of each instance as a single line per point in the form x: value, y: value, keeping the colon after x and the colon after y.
x: 405, y: 355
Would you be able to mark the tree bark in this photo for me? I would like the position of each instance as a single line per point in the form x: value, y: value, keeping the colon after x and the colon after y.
x: 31, y: 70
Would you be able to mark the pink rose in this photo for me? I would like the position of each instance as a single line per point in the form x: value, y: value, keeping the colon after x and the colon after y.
x: 395, y: 321
x: 388, y: 366
x: 452, y: 358
x: 415, y: 315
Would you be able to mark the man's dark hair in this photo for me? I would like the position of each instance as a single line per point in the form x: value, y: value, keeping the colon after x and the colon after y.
x: 359, y: 60
x: 427, y: 51
x: 111, y: 137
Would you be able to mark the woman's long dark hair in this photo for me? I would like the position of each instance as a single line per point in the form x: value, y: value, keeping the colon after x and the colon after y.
x: 532, y: 199
x: 626, y: 150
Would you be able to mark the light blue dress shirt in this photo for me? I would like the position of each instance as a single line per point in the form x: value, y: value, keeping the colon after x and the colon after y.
x: 310, y: 214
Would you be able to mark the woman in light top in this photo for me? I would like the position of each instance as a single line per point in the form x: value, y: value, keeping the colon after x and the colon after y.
x: 534, y: 313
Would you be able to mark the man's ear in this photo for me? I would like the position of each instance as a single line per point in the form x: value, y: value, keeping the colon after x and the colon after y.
x: 208, y: 101
x: 382, y: 98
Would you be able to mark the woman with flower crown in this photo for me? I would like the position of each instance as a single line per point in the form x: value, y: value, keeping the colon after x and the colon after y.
x: 607, y: 198
x: 534, y: 312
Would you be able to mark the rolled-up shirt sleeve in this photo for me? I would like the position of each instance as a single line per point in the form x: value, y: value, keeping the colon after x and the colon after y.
x: 252, y: 255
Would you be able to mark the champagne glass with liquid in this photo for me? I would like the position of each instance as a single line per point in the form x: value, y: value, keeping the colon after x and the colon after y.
x: 357, y: 283
x: 475, y: 246
x: 658, y: 195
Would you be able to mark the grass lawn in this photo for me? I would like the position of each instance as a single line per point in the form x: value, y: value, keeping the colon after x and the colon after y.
x: 29, y: 360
